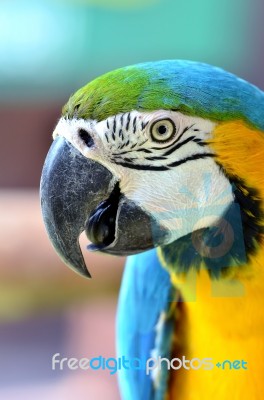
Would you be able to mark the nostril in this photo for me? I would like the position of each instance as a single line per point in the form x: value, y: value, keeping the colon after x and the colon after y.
x: 86, y: 137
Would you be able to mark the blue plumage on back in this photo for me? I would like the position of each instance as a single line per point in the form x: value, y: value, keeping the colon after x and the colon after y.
x: 146, y: 291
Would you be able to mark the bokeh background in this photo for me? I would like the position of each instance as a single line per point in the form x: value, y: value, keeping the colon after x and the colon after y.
x: 48, y: 49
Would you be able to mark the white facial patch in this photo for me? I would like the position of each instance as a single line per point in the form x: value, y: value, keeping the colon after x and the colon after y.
x: 189, y: 197
x: 162, y: 163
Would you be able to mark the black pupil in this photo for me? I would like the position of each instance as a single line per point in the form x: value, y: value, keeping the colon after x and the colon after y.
x: 162, y: 129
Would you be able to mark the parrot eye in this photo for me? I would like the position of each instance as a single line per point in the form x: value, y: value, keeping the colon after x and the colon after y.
x: 162, y: 130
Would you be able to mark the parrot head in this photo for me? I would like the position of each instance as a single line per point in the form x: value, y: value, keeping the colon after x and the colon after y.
x: 146, y: 155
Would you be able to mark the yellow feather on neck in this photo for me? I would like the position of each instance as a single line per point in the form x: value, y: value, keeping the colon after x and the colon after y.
x: 240, y: 150
x: 224, y: 319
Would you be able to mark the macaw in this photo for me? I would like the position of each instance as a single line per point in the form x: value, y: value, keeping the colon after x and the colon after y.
x: 164, y: 162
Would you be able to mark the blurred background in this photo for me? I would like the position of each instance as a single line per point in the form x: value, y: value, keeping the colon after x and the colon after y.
x: 48, y: 49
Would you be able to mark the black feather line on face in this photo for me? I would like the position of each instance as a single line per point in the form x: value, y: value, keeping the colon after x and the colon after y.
x: 145, y: 150
x: 178, y: 146
x: 190, y: 158
x: 128, y: 121
x: 199, y: 142
x: 141, y: 144
x: 130, y: 151
x: 134, y: 124
x: 130, y: 160
x: 143, y: 125
x: 155, y: 158
x: 165, y: 167
x: 143, y: 167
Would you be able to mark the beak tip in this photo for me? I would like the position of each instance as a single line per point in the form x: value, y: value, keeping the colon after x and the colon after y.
x: 86, y: 274
x: 81, y: 270
x: 77, y: 263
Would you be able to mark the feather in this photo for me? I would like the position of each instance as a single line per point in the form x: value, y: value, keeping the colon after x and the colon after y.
x: 193, y: 88
x: 146, y: 292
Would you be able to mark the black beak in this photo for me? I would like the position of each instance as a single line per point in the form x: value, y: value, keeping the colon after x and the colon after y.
x: 80, y: 194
